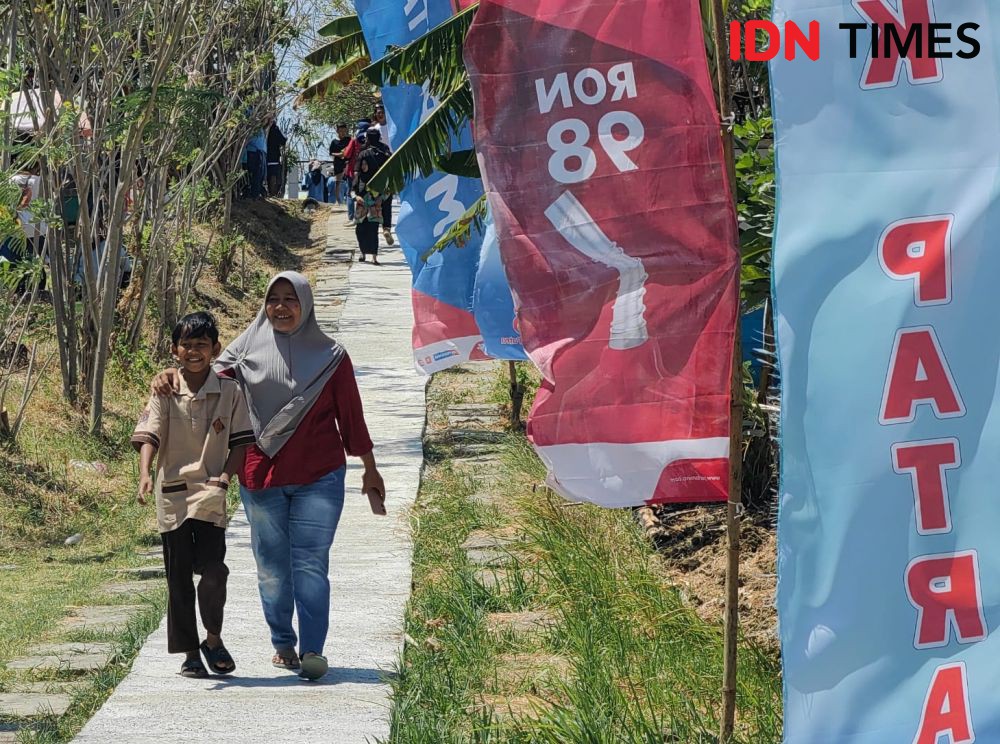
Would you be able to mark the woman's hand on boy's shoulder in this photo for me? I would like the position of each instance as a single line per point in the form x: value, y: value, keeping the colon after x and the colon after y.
x: 166, y: 382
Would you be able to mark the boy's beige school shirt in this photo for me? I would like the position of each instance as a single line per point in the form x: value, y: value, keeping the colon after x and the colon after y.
x: 193, y: 433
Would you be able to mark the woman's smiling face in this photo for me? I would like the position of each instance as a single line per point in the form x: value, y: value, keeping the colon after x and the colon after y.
x: 282, y: 307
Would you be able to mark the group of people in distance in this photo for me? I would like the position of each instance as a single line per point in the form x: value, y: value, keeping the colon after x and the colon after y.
x: 356, y: 158
x: 280, y: 407
x: 261, y: 161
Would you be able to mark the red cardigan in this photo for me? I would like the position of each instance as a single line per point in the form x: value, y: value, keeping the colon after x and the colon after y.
x: 335, y: 424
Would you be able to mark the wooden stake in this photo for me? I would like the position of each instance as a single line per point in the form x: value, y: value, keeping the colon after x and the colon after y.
x: 731, y: 621
x: 516, y: 396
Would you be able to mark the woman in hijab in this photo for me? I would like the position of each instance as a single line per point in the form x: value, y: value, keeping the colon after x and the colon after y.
x: 367, y: 204
x: 313, y: 181
x: 306, y: 413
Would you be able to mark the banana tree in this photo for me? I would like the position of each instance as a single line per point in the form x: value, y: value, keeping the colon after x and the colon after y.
x: 338, y: 61
x: 434, y: 60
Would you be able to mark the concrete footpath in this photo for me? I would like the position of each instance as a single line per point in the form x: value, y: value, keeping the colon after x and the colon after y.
x: 369, y: 565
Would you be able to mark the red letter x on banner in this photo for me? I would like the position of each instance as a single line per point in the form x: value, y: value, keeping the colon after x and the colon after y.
x: 883, y: 71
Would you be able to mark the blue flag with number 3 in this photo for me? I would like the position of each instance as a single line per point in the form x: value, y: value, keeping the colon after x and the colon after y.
x: 454, y: 320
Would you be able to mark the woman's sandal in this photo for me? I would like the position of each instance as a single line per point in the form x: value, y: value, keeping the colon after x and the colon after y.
x: 281, y: 661
x: 194, y: 669
x: 219, y: 659
x: 314, y: 666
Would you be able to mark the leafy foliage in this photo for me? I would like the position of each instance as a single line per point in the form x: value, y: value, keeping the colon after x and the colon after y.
x: 433, y: 61
x: 336, y: 63
x: 435, y: 58
x: 342, y: 26
x: 351, y: 102
x: 422, y: 149
x: 339, y: 51
x: 472, y: 219
x: 330, y: 78
x: 460, y: 163
x: 10, y: 227
x: 755, y: 207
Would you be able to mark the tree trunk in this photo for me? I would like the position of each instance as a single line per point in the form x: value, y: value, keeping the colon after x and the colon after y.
x: 11, y: 58
x: 64, y: 308
x: 111, y: 261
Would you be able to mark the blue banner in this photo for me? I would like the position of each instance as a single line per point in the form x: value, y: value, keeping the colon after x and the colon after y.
x: 445, y: 331
x: 885, y: 269
x: 493, y: 302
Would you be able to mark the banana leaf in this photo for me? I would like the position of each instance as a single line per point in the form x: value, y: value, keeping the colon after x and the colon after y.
x: 460, y: 163
x: 343, y: 26
x: 458, y: 233
x: 435, y: 58
x: 331, y: 77
x: 422, y: 150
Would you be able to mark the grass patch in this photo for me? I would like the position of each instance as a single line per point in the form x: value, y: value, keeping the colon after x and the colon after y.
x: 88, y: 699
x: 48, y: 493
x: 619, y: 658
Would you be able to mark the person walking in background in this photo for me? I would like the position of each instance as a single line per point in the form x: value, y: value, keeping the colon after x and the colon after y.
x: 381, y: 125
x: 378, y: 153
x: 312, y: 182
x: 276, y: 141
x: 307, y: 416
x: 329, y: 184
x: 351, y: 153
x: 199, y: 435
x: 367, y: 206
x: 256, y: 164
x: 340, y: 185
x: 379, y: 122
x: 35, y: 228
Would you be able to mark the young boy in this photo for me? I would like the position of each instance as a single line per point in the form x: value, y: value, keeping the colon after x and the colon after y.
x: 200, y: 435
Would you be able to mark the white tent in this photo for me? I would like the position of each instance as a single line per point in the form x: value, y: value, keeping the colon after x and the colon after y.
x: 28, y: 114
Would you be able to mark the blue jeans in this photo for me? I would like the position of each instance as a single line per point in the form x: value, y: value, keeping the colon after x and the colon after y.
x: 314, y: 189
x: 350, y: 205
x: 257, y: 167
x: 291, y: 531
x: 335, y: 194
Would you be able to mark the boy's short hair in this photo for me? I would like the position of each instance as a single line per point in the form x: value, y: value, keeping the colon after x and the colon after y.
x: 342, y: 125
x: 196, y: 325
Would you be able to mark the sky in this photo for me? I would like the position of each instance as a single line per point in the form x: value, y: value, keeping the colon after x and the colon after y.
x: 315, y: 14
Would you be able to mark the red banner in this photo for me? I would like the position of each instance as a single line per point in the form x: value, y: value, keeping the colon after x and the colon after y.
x: 599, y: 142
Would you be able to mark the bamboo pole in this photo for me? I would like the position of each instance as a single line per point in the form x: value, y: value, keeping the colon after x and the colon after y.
x: 731, y: 617
x: 516, y: 396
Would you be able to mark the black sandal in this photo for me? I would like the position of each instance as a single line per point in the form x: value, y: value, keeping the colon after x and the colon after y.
x: 289, y: 660
x: 219, y: 659
x: 194, y: 669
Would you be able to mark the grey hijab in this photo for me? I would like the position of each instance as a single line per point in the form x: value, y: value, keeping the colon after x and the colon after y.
x: 282, y: 374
